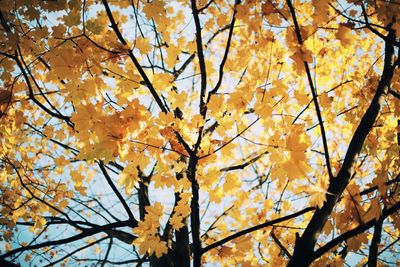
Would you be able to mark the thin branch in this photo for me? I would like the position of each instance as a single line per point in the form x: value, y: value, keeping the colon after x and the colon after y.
x: 313, y: 91
x: 309, y: 103
x: 33, y: 195
x: 369, y: 25
x: 107, y: 253
x: 113, y: 263
x: 373, y: 188
x: 85, y: 233
x: 219, y: 217
x: 76, y: 251
x: 245, y: 164
x: 280, y: 245
x: 200, y: 55
x: 389, y: 246
x: 206, y: 6
x: 356, y: 231
x: 231, y: 140
x: 66, y: 147
x: 116, y: 192
x: 149, y: 85
x: 255, y: 228
x: 32, y: 96
x: 228, y: 45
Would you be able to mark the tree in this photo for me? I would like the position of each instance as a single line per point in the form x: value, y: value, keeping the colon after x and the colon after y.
x: 178, y: 133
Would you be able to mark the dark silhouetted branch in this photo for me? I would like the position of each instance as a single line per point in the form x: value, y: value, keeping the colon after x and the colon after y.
x: 255, y: 228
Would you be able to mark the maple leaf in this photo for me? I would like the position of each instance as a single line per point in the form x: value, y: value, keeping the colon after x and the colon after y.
x: 143, y: 45
x: 344, y: 34
x: 318, y: 192
x: 5, y: 97
x: 176, y: 222
x: 355, y: 243
x: 217, y: 195
x: 154, y: 9
x: 301, y: 56
x: 155, y: 211
x: 268, y: 8
x: 177, y: 100
x: 160, y: 248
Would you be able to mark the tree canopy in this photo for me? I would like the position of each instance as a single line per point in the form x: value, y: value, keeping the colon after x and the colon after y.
x: 202, y: 132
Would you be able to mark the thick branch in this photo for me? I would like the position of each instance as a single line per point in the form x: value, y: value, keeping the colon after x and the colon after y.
x: 376, y: 239
x: 5, y: 263
x: 195, y: 214
x: 394, y: 93
x: 303, y: 252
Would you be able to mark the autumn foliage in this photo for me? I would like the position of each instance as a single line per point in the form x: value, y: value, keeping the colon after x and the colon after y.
x: 202, y: 132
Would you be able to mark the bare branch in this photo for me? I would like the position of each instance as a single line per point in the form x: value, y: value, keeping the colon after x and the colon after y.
x: 228, y: 45
x: 313, y: 91
x: 255, y: 228
x: 245, y: 164
x: 356, y: 231
x: 85, y: 233
x: 200, y: 55
x: 133, y: 58
x: 304, y: 247
x: 116, y: 192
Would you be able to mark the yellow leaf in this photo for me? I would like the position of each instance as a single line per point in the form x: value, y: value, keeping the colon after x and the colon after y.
x: 154, y: 9
x: 242, y: 243
x: 301, y: 98
x: 28, y: 257
x: 301, y: 55
x: 155, y: 211
x: 160, y: 248
x: 217, y: 195
x: 232, y: 183
x: 176, y: 222
x: 173, y: 52
x: 143, y: 45
x: 344, y: 34
x: 317, y: 192
x: 373, y: 212
x: 325, y: 100
x: 72, y: 19
x: 128, y: 178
